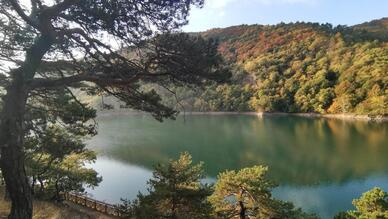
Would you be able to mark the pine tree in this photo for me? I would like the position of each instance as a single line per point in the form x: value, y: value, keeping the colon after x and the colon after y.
x: 175, y: 191
x: 373, y: 204
x: 56, y: 159
x: 247, y: 194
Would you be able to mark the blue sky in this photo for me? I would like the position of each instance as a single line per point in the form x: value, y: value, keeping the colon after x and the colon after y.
x: 223, y: 13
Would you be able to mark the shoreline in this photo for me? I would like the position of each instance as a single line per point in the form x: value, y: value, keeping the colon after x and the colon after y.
x: 349, y: 117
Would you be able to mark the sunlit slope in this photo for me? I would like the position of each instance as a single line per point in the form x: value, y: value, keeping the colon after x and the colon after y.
x: 309, y: 67
x: 296, y: 67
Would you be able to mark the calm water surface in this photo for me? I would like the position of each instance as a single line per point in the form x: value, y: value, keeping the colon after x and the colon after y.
x: 320, y: 165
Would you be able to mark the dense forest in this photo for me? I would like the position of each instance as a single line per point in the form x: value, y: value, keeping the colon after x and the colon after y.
x: 296, y: 67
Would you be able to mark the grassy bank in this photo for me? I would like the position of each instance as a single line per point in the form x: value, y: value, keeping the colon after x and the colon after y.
x: 49, y: 210
x: 43, y: 210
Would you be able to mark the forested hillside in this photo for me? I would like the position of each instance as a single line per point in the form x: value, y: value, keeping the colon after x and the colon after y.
x: 376, y: 28
x: 297, y: 67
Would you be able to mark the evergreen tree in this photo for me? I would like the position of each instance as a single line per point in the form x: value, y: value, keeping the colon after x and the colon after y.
x: 373, y: 204
x: 57, y: 161
x: 247, y: 194
x: 175, y: 191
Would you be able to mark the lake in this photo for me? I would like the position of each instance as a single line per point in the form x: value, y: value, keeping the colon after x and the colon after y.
x: 319, y: 164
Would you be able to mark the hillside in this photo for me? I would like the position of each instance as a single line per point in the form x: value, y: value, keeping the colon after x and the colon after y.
x: 376, y: 28
x: 297, y: 67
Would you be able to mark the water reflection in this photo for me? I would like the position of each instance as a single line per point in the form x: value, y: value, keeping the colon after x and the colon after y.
x: 328, y: 199
x: 316, y: 161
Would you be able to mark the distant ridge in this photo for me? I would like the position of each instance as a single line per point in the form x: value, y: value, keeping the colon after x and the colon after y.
x: 297, y: 67
x: 379, y: 27
x: 377, y: 23
x: 303, y: 67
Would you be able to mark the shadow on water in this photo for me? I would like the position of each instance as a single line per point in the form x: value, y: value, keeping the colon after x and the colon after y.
x: 311, y: 159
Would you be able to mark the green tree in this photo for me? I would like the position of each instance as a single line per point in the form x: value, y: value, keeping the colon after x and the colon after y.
x: 71, y: 174
x: 53, y: 46
x: 372, y: 204
x: 247, y: 194
x: 175, y: 191
x: 56, y: 159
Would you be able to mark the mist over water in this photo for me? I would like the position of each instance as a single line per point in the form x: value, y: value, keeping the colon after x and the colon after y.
x: 320, y: 164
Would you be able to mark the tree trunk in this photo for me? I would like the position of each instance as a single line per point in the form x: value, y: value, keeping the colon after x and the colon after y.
x: 6, y: 195
x: 12, y: 154
x: 17, y: 183
x: 12, y: 129
x: 242, y: 210
x: 33, y: 185
x: 57, y: 195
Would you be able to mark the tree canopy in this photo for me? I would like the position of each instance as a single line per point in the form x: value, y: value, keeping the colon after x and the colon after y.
x: 50, y: 48
x: 247, y: 194
x: 372, y: 204
x: 56, y: 159
x: 175, y: 191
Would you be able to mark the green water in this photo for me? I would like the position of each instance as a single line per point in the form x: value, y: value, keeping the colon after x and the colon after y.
x: 320, y: 165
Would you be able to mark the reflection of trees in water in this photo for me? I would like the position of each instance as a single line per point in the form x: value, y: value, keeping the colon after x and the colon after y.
x: 297, y: 150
